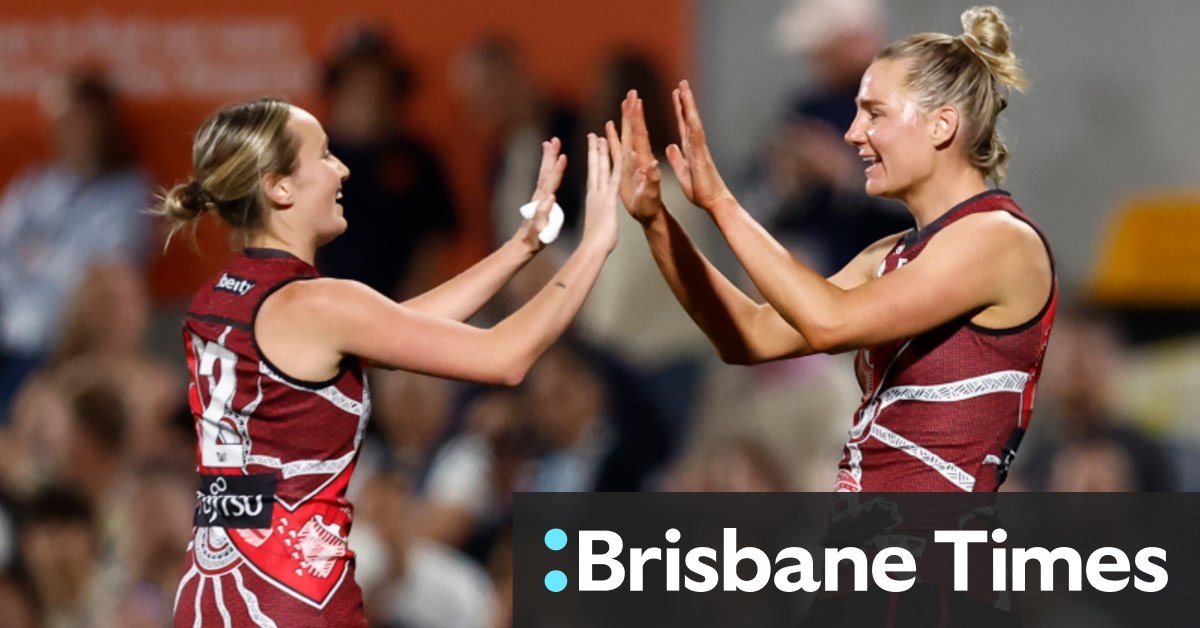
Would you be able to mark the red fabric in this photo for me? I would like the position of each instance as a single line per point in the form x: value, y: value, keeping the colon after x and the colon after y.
x: 955, y: 435
x: 300, y: 438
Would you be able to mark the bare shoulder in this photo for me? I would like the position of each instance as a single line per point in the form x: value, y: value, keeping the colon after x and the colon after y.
x: 320, y: 307
x: 1007, y: 254
x: 322, y: 294
x: 998, y: 234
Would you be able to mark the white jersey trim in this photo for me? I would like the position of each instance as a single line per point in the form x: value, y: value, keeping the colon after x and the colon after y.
x: 256, y: 614
x: 329, y: 393
x: 991, y: 383
x: 225, y: 622
x: 998, y: 382
x: 953, y: 473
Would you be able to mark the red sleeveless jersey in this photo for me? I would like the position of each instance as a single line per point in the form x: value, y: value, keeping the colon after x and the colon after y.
x: 945, y: 410
x: 275, y: 455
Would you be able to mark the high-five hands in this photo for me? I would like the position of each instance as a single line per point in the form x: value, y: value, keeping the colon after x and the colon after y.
x: 640, y: 176
x: 694, y: 166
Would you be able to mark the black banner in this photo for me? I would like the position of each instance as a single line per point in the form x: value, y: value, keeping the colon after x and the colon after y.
x: 705, y: 559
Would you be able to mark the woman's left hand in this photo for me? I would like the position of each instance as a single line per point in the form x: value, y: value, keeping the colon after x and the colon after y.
x: 550, y: 175
x: 693, y: 164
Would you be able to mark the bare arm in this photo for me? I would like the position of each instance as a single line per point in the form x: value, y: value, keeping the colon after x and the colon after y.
x: 462, y: 296
x: 308, y: 326
x: 969, y: 270
x: 742, y: 330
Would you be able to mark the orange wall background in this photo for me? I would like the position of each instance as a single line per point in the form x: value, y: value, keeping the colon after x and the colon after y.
x: 564, y: 45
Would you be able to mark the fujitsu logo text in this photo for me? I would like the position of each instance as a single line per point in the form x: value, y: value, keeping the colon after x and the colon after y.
x: 217, y: 505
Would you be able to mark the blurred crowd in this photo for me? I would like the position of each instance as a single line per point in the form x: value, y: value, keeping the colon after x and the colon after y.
x: 97, y: 467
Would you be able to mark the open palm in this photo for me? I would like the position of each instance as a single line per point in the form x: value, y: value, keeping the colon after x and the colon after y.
x: 693, y: 163
x: 640, y: 175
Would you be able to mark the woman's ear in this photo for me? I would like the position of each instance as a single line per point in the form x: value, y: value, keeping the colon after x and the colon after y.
x: 945, y: 125
x: 278, y: 189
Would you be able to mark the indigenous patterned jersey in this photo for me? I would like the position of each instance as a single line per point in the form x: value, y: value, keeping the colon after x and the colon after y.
x: 275, y: 455
x: 945, y: 410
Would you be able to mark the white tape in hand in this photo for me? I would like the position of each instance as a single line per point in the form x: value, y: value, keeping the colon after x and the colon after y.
x: 549, y: 233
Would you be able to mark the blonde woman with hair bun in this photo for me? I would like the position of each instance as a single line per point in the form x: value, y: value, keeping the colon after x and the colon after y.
x: 949, y: 319
x: 276, y: 356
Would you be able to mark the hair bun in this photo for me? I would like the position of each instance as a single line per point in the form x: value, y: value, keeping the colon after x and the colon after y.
x: 987, y: 35
x: 186, y: 201
x: 986, y: 26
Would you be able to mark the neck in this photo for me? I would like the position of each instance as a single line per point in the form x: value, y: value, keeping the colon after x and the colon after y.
x: 937, y: 194
x: 306, y: 251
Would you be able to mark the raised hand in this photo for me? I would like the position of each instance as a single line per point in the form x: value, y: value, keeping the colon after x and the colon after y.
x: 550, y: 172
x: 603, y: 181
x: 694, y: 166
x: 640, y: 176
x: 550, y: 175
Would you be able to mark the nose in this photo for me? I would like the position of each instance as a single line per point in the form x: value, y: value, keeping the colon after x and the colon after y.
x: 855, y: 136
x: 343, y: 170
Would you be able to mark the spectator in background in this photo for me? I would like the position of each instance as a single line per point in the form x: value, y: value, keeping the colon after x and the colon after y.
x: 809, y: 186
x: 59, y: 219
x: 402, y: 217
x: 502, y: 96
x: 410, y: 413
x: 597, y: 431
x: 736, y: 465
x: 59, y: 546
x: 103, y: 333
x: 1083, y: 444
x: 159, y: 516
x: 468, y: 493
x: 409, y: 581
x: 100, y: 348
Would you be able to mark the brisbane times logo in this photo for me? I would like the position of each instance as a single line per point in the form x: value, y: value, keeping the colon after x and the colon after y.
x: 606, y: 564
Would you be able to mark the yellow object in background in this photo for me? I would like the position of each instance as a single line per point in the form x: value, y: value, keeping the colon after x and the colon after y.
x: 1150, y: 254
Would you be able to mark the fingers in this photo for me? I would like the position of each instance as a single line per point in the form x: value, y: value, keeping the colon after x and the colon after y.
x: 691, y: 113
x: 626, y: 119
x: 550, y: 172
x: 603, y: 166
x: 641, y: 136
x: 550, y: 150
x: 678, y: 162
x: 541, y: 215
x: 592, y: 165
x: 617, y: 158
x: 614, y: 142
x: 680, y: 120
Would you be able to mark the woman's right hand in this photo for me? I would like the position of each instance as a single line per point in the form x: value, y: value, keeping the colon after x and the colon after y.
x: 640, y: 175
x: 603, y: 181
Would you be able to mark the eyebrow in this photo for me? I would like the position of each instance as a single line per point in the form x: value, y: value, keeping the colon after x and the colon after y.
x: 865, y: 103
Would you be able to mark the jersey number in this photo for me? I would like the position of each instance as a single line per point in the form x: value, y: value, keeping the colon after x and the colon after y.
x: 220, y: 443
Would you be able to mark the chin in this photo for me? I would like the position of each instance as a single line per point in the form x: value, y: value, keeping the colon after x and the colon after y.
x: 332, y: 234
x: 873, y: 188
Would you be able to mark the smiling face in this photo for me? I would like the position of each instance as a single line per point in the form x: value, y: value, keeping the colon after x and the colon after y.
x: 316, y: 185
x: 894, y: 135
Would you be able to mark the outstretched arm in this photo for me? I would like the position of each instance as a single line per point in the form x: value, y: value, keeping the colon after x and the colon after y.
x: 742, y: 330
x: 462, y: 296
x: 964, y: 272
x: 347, y: 318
